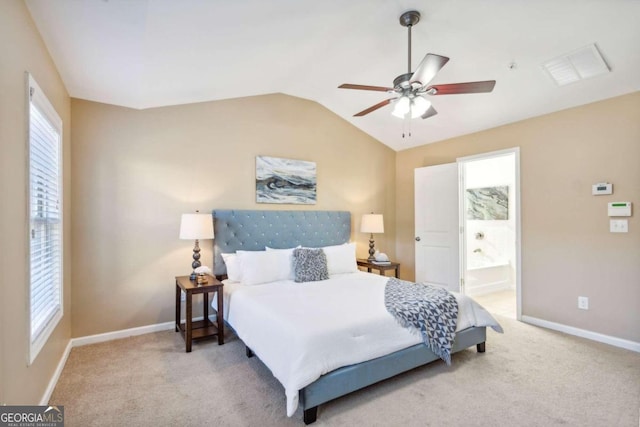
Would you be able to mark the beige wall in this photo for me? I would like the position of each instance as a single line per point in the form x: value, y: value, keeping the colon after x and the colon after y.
x: 567, y: 249
x: 136, y: 171
x: 21, y: 49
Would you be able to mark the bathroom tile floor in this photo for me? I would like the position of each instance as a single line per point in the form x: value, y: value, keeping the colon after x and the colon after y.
x: 502, y: 303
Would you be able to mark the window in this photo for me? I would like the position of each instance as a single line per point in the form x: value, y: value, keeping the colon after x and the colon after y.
x: 45, y: 218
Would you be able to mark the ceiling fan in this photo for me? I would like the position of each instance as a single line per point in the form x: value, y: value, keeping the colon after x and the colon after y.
x: 409, y: 89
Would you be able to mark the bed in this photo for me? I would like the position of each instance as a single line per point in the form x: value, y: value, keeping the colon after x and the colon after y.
x: 322, y: 339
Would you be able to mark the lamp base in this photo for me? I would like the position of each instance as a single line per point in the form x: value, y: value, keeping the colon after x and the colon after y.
x: 372, y: 249
x: 196, y: 260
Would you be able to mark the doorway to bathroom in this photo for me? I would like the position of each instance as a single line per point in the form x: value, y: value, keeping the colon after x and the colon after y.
x: 489, y: 216
x: 467, y: 226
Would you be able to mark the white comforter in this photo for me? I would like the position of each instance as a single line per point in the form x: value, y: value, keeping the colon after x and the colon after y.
x: 301, y: 331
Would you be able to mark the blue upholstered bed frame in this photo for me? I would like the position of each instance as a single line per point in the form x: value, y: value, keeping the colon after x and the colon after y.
x: 250, y: 230
x: 255, y: 229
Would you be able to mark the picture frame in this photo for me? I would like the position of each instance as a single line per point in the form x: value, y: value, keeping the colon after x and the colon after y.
x: 488, y: 203
x: 285, y: 181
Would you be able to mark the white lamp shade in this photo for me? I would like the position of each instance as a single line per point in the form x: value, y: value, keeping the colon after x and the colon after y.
x: 196, y: 226
x: 372, y: 223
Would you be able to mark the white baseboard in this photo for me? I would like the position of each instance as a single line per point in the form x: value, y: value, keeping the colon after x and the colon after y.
x: 124, y: 333
x: 595, y: 336
x: 56, y: 376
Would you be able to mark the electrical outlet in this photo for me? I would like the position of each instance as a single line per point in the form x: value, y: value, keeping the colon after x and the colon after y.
x: 583, y: 303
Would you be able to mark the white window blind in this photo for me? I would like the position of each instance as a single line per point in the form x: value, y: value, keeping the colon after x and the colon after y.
x: 45, y: 211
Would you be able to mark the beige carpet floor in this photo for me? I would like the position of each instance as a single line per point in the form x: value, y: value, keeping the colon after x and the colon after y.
x: 528, y: 377
x: 502, y: 302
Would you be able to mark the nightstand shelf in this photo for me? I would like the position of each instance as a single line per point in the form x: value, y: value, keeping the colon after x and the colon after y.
x: 382, y: 268
x: 199, y: 329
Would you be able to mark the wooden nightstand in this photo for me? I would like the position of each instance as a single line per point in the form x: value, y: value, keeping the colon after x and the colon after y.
x: 202, y: 328
x: 382, y: 268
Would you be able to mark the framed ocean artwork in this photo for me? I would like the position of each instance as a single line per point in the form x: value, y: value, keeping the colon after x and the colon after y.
x: 285, y: 181
x: 488, y: 203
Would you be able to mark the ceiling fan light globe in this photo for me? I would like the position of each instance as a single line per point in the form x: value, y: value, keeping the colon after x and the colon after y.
x: 398, y: 114
x: 402, y: 107
x: 419, y: 106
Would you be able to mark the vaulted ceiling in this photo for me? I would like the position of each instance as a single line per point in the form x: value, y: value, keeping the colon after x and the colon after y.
x: 151, y: 53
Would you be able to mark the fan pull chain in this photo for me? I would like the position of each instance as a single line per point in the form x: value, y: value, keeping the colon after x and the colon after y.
x: 406, y: 125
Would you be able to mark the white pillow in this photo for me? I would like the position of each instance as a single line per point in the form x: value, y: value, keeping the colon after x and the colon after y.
x: 234, y: 273
x: 341, y: 258
x: 287, y: 249
x: 264, y: 266
x: 287, y: 264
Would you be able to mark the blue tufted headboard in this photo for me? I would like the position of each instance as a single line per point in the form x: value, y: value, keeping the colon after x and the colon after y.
x: 252, y: 230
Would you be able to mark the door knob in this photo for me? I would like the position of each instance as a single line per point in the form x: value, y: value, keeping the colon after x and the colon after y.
x: 418, y: 239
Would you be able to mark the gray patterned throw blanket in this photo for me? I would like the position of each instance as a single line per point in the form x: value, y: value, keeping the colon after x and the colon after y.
x: 432, y: 310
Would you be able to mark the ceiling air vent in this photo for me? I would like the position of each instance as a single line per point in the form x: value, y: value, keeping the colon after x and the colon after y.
x: 577, y: 65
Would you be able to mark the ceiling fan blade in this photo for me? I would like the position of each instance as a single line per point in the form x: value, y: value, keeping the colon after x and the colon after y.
x: 457, y: 88
x: 429, y: 113
x: 428, y: 68
x: 365, y: 87
x: 374, y: 108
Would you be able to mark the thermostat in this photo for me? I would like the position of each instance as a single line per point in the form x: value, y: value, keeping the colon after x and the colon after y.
x: 619, y: 209
x: 601, y: 188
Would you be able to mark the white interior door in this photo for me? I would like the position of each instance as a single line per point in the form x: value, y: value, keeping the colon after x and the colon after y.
x: 437, y: 225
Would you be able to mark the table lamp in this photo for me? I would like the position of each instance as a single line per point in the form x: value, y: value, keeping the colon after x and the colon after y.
x: 196, y: 226
x: 372, y: 223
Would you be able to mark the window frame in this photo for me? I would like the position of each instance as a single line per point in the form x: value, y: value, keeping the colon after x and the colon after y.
x: 37, y: 97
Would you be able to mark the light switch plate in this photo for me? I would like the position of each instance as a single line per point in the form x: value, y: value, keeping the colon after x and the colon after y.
x: 619, y: 225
